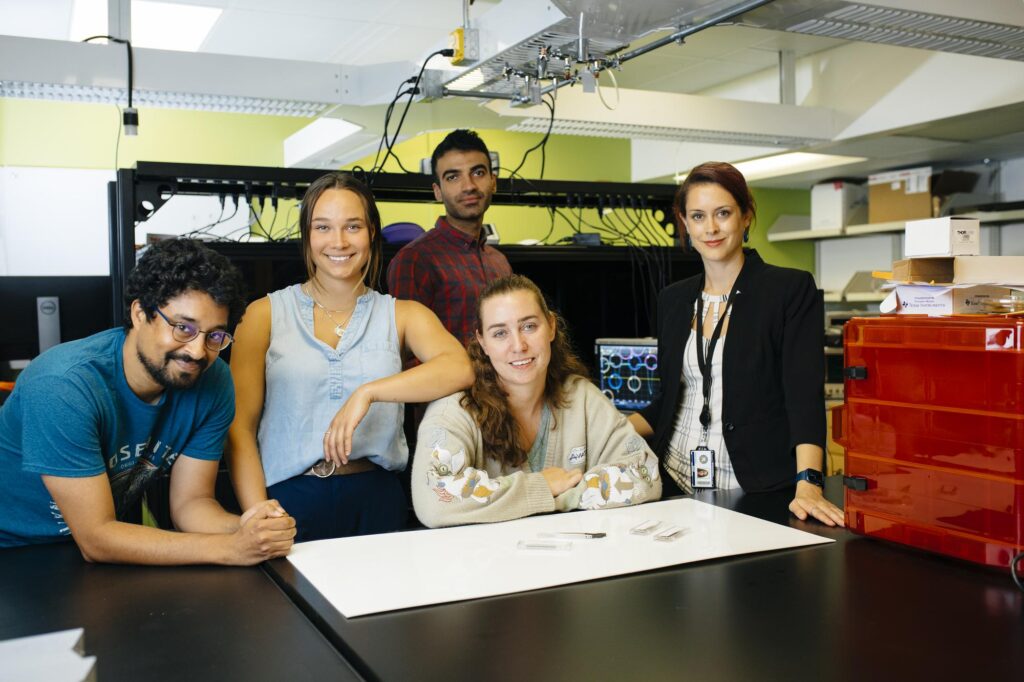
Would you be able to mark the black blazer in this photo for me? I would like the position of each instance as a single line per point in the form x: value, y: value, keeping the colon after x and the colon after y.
x: 773, y: 370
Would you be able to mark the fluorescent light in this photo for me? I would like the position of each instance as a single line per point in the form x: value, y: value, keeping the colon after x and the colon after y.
x: 563, y: 126
x: 162, y: 99
x: 318, y: 140
x: 166, y: 26
x: 787, y: 164
x: 88, y: 18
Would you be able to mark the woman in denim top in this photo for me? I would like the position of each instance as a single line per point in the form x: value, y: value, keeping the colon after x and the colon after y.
x: 319, y: 382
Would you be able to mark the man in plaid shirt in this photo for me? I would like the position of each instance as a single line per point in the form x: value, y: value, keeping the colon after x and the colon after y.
x: 447, y: 268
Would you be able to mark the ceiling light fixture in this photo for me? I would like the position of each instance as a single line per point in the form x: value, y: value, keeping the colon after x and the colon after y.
x: 166, y: 100
x: 322, y: 140
x: 652, y: 132
x: 88, y: 18
x: 787, y: 164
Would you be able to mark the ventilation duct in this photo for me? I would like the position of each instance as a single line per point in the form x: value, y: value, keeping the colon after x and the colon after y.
x: 902, y: 27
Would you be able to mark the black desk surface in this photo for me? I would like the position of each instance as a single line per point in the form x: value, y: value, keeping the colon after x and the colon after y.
x: 154, y: 624
x: 854, y: 610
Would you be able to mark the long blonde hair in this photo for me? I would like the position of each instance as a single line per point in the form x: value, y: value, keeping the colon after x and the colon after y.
x: 487, y: 401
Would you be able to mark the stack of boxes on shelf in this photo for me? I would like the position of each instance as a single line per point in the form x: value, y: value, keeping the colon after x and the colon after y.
x: 944, y: 274
x: 890, y: 197
x: 917, y: 193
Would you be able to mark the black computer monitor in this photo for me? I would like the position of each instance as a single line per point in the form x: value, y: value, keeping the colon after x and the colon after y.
x: 84, y: 309
x: 627, y: 371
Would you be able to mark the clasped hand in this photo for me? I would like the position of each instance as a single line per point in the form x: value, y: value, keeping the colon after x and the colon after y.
x: 559, y: 480
x: 265, y: 531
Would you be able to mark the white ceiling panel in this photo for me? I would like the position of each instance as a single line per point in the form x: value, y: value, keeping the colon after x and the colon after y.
x: 351, y: 33
x: 35, y: 19
x: 692, y: 77
x: 250, y: 34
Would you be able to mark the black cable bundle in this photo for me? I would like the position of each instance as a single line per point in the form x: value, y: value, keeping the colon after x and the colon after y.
x: 389, y: 142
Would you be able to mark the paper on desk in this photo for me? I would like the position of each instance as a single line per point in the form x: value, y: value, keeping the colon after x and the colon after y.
x: 375, y: 573
x: 54, y: 657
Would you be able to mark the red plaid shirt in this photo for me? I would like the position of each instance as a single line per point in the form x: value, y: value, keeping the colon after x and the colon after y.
x: 445, y: 270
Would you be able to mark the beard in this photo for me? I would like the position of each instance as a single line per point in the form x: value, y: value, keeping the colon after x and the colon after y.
x: 454, y: 210
x: 162, y: 374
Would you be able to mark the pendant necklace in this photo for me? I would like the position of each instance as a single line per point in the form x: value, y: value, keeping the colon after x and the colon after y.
x: 339, y: 327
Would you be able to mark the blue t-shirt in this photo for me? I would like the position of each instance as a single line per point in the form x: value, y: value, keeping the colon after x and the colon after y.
x: 72, y: 414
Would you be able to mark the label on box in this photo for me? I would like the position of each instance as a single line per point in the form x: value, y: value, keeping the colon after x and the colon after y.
x: 914, y: 177
x: 931, y: 300
x: 1000, y: 338
x: 918, y: 183
x: 942, y: 237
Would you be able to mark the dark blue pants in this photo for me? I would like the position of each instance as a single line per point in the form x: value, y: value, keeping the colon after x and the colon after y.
x: 339, y: 506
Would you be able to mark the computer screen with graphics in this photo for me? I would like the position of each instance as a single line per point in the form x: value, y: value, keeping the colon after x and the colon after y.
x: 628, y: 371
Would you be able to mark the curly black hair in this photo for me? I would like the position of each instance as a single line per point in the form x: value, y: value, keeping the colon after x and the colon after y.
x: 172, y: 267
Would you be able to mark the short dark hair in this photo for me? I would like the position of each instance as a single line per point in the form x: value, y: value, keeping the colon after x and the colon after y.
x: 460, y: 140
x: 173, y: 267
x: 339, y: 180
x: 726, y: 176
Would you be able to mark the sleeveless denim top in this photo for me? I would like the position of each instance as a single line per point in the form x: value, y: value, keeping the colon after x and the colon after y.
x: 308, y: 382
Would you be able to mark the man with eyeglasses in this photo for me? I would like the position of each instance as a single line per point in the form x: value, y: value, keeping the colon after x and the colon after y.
x: 92, y: 423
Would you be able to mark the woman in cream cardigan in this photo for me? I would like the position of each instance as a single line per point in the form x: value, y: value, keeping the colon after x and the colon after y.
x: 531, y: 434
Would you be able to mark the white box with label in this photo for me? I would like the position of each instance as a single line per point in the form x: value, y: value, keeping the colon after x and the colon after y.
x: 837, y: 204
x: 949, y: 236
x: 919, y: 299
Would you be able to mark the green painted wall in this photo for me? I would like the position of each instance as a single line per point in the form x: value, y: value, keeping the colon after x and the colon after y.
x: 69, y: 135
x: 771, y: 203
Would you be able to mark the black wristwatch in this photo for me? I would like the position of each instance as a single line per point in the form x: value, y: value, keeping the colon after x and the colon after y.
x: 811, y: 476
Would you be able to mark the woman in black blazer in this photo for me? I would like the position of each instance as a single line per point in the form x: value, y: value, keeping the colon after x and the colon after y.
x: 744, y: 405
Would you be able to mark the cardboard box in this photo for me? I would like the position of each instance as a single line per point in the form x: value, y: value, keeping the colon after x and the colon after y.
x: 989, y: 270
x: 939, y: 270
x: 920, y: 299
x: 837, y: 204
x: 913, y: 193
x: 935, y: 237
x: 900, y: 195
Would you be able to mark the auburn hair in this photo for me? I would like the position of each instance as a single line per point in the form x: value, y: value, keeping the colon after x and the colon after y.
x: 726, y: 176
x: 487, y: 401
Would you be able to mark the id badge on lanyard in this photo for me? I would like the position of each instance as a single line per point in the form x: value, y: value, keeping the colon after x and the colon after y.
x: 702, y: 467
x: 702, y: 458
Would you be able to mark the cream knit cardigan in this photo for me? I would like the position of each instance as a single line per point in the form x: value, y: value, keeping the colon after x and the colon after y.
x: 455, y: 482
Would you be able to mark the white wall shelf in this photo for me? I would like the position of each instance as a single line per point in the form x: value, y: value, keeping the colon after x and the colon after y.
x: 785, y: 228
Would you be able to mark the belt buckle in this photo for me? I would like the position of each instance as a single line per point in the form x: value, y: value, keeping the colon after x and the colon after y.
x: 323, y: 468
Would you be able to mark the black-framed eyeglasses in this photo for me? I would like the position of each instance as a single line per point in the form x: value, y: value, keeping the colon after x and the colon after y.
x: 183, y: 332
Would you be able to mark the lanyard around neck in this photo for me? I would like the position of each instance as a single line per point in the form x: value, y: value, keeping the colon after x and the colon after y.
x: 705, y: 364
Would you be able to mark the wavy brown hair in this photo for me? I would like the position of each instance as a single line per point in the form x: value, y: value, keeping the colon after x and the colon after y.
x: 487, y: 401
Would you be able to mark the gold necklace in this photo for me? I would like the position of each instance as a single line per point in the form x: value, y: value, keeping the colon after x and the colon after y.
x: 339, y: 327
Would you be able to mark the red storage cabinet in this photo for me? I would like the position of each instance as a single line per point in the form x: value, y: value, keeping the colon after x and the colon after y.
x: 933, y: 426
